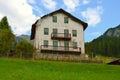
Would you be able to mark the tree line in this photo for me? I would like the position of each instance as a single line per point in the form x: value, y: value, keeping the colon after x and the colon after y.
x: 8, y: 45
x: 104, y: 46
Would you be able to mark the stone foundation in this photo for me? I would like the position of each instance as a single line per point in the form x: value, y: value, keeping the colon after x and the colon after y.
x: 59, y: 56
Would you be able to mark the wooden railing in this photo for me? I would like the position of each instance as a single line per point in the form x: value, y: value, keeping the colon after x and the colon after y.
x: 60, y: 48
x: 61, y: 36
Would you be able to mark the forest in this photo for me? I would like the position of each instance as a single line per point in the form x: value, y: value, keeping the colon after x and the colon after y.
x: 106, y: 45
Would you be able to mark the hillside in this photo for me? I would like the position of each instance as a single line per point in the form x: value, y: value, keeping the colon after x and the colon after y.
x: 107, y: 44
x: 24, y: 37
x: 16, y: 69
x: 112, y: 32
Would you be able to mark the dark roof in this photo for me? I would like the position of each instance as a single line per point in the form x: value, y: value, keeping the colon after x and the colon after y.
x: 115, y: 62
x: 33, y: 30
x: 58, y: 11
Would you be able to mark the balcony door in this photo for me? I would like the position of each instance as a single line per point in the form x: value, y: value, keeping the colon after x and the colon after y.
x: 66, y: 33
x: 66, y: 45
x: 55, y: 32
x: 55, y: 45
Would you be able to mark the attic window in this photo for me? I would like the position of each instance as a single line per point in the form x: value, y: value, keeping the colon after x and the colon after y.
x: 54, y: 18
x: 65, y: 19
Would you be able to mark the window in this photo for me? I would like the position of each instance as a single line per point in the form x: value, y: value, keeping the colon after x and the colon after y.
x: 54, y: 32
x: 66, y: 45
x: 54, y: 18
x: 55, y: 45
x: 46, y: 43
x: 65, y: 19
x: 74, y: 33
x: 75, y: 45
x: 66, y: 33
x: 46, y: 31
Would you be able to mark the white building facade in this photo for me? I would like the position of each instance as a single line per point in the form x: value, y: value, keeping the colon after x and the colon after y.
x: 58, y: 35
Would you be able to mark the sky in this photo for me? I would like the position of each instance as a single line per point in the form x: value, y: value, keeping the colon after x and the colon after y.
x: 99, y: 14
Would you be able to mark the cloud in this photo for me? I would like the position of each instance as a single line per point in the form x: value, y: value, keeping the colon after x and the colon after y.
x: 86, y: 1
x: 93, y: 15
x: 71, y: 4
x: 19, y: 14
x: 49, y: 4
x: 95, y: 34
x: 31, y: 1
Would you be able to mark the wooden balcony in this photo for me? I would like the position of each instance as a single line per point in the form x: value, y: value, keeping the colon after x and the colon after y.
x: 61, y: 36
x: 60, y: 49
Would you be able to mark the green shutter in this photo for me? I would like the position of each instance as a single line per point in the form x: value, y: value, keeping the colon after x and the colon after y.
x: 55, y: 45
x: 45, y: 43
x: 65, y: 19
x: 54, y: 32
x: 74, y: 45
x: 66, y: 45
x: 46, y: 31
x: 66, y: 33
x: 54, y: 18
x: 74, y: 33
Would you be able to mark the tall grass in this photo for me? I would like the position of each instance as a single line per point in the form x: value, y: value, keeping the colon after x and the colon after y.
x: 16, y: 69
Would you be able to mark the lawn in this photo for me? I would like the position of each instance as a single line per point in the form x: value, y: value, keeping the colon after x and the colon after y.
x: 16, y: 69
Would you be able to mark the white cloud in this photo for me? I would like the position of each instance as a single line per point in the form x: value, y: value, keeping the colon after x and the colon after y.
x: 49, y: 4
x: 86, y: 1
x: 71, y: 4
x: 95, y: 34
x: 31, y: 1
x: 19, y: 13
x: 93, y: 15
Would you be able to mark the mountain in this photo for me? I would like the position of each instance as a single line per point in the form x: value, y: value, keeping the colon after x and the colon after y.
x: 112, y: 32
x: 107, y: 44
x: 24, y: 37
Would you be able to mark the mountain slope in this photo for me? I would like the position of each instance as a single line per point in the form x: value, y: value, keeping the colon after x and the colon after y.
x: 107, y: 44
x: 113, y: 32
x: 24, y: 37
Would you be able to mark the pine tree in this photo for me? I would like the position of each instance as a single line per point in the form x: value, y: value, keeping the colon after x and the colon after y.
x: 6, y: 37
x: 4, y: 23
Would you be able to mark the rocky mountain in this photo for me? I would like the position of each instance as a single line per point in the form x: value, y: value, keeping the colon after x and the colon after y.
x: 24, y: 37
x: 112, y: 32
x: 107, y: 44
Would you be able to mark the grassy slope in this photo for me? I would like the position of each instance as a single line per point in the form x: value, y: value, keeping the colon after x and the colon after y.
x: 15, y: 69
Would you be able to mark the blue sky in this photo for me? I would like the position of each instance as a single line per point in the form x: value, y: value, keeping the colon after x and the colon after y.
x: 99, y: 14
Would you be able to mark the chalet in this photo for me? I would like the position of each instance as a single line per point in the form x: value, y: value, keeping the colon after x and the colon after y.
x: 58, y: 35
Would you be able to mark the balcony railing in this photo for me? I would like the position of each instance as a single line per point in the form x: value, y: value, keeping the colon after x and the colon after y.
x: 50, y: 48
x: 61, y: 36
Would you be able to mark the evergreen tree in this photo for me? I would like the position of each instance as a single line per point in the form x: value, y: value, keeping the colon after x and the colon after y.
x: 6, y: 37
x: 4, y: 23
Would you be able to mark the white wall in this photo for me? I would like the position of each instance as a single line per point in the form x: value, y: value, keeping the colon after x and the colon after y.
x: 60, y: 25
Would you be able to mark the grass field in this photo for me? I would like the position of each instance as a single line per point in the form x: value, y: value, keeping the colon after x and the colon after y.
x: 16, y: 69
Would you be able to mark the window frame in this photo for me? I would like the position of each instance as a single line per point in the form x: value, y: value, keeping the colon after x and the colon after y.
x: 46, y: 31
x: 44, y: 43
x: 66, y: 19
x: 75, y: 45
x: 54, y: 19
x: 74, y: 33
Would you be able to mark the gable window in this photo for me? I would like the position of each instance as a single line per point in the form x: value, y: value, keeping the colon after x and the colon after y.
x: 75, y: 45
x: 46, y: 43
x: 46, y: 31
x: 54, y: 18
x: 74, y: 33
x: 65, y: 19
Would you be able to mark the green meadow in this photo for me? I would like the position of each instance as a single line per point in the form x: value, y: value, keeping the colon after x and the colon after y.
x: 17, y: 69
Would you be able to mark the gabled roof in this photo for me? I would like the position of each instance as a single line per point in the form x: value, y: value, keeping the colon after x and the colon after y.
x: 58, y: 11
